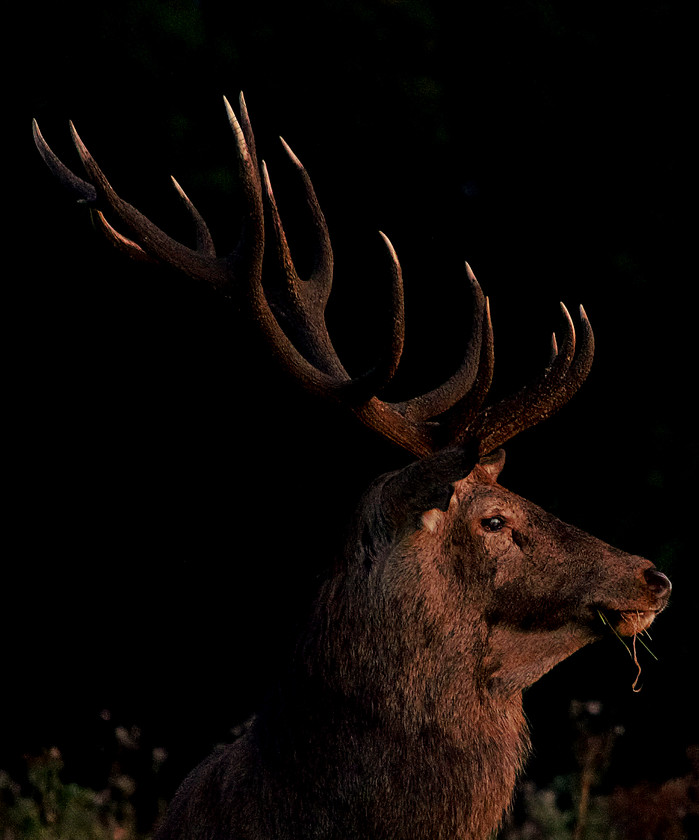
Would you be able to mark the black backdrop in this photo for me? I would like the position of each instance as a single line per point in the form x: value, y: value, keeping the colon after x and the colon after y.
x: 173, y: 501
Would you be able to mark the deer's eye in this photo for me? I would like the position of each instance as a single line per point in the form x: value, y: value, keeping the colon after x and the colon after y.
x: 493, y: 523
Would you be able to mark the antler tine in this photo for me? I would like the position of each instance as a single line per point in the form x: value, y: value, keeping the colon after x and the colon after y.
x: 580, y: 366
x: 246, y: 127
x: 121, y: 243
x: 386, y: 367
x: 248, y: 175
x: 446, y: 395
x: 205, y: 244
x: 460, y: 418
x: 83, y: 190
x: 555, y: 387
x: 284, y: 258
x: 321, y: 275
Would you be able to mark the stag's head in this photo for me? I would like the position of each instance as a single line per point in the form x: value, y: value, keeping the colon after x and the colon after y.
x: 545, y: 588
x: 539, y: 586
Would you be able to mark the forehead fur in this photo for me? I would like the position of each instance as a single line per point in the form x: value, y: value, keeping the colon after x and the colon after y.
x: 482, y: 474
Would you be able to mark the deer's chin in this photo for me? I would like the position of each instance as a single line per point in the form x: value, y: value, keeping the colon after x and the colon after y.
x: 630, y: 622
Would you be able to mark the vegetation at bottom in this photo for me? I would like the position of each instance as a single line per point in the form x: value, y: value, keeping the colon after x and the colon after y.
x: 587, y: 804
x: 40, y: 803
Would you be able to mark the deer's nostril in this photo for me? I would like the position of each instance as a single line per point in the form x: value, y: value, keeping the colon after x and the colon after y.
x: 658, y: 583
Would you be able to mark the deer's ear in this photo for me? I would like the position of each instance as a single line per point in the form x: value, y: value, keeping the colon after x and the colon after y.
x: 492, y: 464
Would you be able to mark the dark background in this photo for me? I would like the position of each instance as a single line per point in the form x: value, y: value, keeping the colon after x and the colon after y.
x: 173, y: 501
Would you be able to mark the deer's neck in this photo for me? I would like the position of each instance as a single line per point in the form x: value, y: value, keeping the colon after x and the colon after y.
x: 392, y: 721
x: 368, y: 776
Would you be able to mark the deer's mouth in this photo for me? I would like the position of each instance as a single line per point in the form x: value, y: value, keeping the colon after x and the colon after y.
x: 629, y: 622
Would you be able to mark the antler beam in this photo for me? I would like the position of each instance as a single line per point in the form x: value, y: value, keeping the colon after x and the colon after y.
x: 294, y: 323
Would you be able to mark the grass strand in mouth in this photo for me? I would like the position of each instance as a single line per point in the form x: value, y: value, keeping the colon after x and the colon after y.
x: 630, y: 650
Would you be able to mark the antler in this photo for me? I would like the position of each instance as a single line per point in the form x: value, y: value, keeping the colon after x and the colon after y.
x: 293, y: 321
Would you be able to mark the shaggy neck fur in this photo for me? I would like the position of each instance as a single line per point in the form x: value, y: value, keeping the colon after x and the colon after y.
x: 395, y: 726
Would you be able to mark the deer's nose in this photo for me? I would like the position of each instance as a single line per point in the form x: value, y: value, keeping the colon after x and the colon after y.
x: 658, y: 583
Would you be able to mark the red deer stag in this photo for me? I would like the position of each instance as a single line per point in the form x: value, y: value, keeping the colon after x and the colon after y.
x: 400, y: 714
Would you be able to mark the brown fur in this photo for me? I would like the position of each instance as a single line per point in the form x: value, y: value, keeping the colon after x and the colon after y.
x: 401, y: 713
